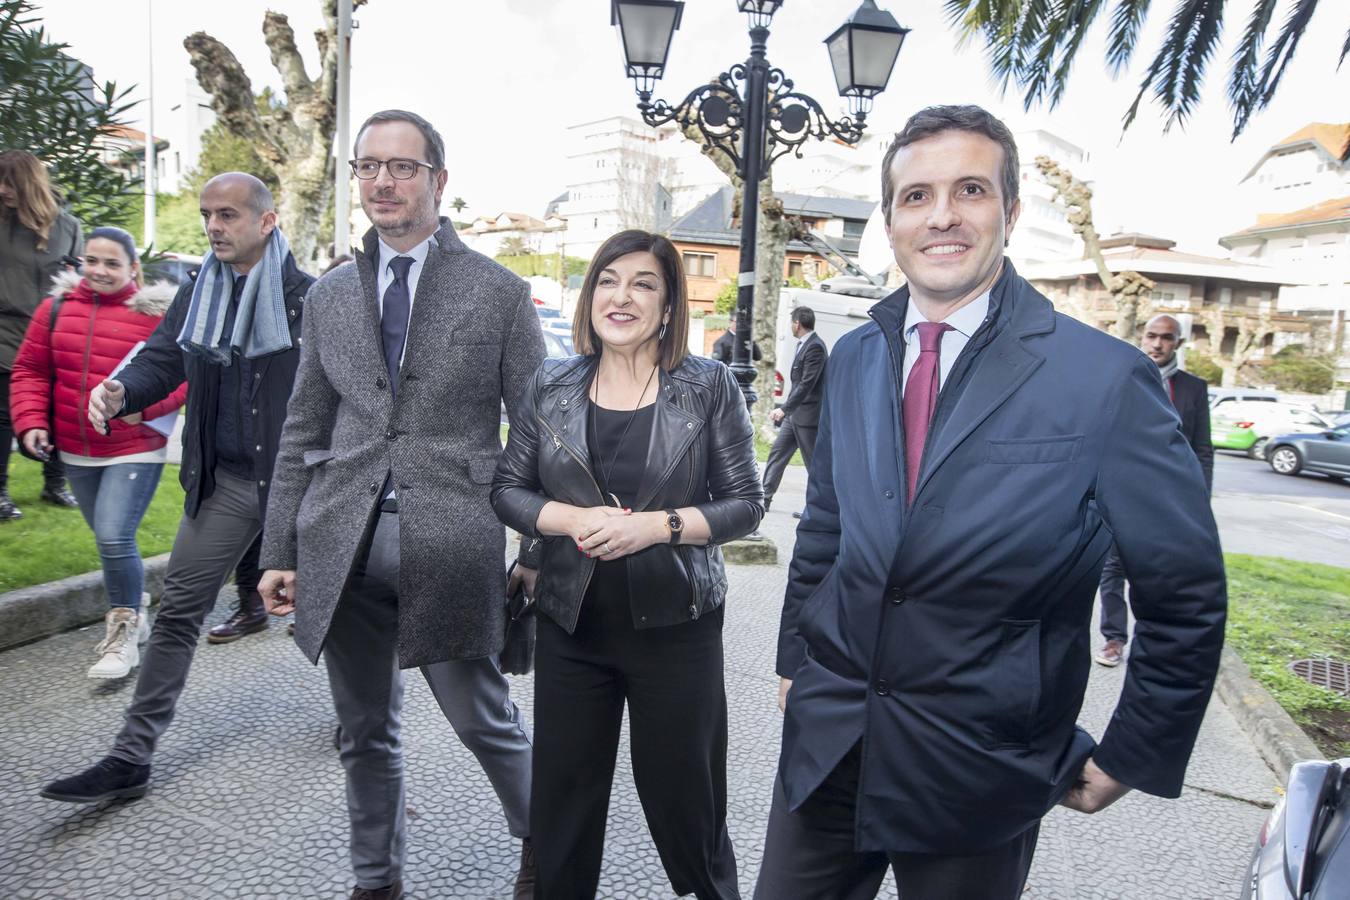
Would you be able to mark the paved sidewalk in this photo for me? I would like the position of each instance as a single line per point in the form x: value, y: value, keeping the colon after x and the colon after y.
x: 247, y: 793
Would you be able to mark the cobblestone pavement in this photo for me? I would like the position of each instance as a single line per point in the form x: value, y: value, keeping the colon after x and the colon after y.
x: 247, y: 793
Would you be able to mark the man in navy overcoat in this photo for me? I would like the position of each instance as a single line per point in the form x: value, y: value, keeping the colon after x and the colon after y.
x: 978, y: 454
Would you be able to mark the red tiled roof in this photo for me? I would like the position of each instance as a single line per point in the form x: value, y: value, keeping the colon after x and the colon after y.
x: 1326, y: 211
x: 1333, y: 138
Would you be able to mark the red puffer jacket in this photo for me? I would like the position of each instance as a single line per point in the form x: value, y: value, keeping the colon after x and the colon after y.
x: 94, y: 332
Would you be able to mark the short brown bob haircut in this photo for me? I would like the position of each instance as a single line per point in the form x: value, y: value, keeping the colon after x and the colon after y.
x: 675, y: 344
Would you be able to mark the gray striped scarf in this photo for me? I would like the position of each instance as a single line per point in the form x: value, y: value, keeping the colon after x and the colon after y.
x: 260, y: 324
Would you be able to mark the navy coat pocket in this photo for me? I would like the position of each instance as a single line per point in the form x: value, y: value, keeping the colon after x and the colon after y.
x: 1020, y: 451
x: 1018, y: 673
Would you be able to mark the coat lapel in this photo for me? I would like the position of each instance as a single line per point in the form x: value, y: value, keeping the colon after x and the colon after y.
x: 673, y: 430
x: 999, y: 369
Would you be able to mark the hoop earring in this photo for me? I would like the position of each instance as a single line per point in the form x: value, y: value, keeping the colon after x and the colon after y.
x: 661, y: 335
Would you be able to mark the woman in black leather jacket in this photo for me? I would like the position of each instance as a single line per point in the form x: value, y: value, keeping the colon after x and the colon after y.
x: 629, y: 464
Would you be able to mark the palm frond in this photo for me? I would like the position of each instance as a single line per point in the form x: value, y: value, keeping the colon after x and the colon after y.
x: 1178, y: 69
x: 1124, y: 35
x: 1281, y: 52
x: 1242, y: 93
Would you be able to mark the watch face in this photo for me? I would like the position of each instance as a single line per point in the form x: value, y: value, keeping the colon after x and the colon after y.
x: 675, y: 522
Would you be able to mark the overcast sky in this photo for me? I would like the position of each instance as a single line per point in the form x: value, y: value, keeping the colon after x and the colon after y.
x: 502, y: 79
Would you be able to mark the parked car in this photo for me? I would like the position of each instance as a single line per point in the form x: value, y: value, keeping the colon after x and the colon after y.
x: 1220, y: 396
x: 557, y: 344
x: 1303, y: 850
x: 1248, y: 425
x: 171, y: 267
x: 1326, y: 452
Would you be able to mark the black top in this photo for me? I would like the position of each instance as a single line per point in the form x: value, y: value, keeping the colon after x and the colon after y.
x: 618, y: 463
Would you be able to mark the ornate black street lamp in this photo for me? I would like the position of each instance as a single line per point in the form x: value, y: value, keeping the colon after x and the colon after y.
x: 752, y: 113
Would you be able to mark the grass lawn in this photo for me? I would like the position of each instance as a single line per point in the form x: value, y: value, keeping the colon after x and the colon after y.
x: 1280, y: 611
x: 50, y: 543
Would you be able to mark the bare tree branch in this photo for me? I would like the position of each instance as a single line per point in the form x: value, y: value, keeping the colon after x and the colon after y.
x: 221, y: 76
x: 280, y: 39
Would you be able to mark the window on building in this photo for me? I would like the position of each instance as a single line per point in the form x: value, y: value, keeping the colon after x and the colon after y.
x: 700, y: 265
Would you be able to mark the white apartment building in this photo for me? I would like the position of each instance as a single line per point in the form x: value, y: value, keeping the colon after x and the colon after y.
x: 1306, y: 168
x: 188, y: 117
x: 1299, y: 193
x: 1043, y: 233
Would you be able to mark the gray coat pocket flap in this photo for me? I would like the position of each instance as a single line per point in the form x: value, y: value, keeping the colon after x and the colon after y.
x: 317, y: 457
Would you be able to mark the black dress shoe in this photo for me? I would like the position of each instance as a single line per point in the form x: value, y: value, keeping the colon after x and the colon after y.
x: 109, y: 779
x: 57, y: 495
x: 392, y: 892
x: 8, y: 511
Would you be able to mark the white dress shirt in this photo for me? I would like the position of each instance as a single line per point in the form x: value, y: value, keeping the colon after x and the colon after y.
x: 386, y: 276
x: 965, y: 322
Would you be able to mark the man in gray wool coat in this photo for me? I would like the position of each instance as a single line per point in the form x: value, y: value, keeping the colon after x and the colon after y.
x: 379, y: 533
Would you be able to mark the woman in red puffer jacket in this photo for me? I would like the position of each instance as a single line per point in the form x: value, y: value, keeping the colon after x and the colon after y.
x: 101, y: 319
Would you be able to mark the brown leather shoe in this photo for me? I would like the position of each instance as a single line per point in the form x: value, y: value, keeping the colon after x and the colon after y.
x: 392, y: 892
x: 250, y: 617
x: 1111, y: 654
x: 526, y: 876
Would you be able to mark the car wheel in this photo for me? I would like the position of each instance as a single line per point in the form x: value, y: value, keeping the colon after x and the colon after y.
x: 1286, y: 460
x: 1258, y: 449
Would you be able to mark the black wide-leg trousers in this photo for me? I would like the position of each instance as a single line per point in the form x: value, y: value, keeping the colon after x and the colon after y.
x: 671, y: 680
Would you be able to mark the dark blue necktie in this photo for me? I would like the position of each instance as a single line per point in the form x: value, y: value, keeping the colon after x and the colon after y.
x: 394, y: 319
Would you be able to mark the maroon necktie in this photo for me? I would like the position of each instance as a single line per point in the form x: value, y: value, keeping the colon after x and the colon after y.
x: 921, y: 393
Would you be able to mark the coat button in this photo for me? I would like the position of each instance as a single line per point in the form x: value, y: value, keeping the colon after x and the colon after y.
x: 562, y: 402
x: 262, y: 484
x: 883, y: 688
x: 255, y: 410
x: 380, y: 383
x: 693, y: 610
x: 896, y: 596
x: 374, y: 487
x: 889, y: 495
x: 391, y: 434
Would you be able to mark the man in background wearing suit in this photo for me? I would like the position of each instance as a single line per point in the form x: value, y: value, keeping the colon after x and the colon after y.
x: 1190, y: 396
x: 379, y: 533
x: 978, y: 452
x: 797, y: 416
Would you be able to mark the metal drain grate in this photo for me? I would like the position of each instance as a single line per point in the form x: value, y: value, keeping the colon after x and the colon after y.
x: 1332, y: 674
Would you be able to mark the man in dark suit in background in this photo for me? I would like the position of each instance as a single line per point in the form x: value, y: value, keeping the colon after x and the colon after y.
x: 1190, y: 396
x: 977, y: 454
x: 721, y: 350
x: 798, y: 415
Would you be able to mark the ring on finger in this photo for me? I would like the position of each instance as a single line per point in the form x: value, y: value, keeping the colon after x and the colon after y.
x: 607, y: 550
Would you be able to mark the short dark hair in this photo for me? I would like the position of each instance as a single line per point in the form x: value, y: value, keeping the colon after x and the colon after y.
x: 805, y: 316
x: 675, y: 345
x: 934, y: 120
x: 435, y: 146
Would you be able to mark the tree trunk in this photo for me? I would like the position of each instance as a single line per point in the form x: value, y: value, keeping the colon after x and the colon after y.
x: 1129, y: 290
x: 771, y: 238
x: 296, y: 140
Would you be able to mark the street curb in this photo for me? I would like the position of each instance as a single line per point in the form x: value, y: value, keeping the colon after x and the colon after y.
x: 756, y: 550
x: 1277, y: 737
x: 46, y: 609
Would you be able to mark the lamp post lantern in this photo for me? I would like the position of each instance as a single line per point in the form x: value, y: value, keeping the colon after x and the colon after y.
x: 753, y: 114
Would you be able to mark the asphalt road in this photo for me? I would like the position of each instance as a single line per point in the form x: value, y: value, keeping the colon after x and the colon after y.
x: 1305, y: 517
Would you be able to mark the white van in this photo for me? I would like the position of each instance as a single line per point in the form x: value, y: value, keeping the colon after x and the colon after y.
x: 840, y: 305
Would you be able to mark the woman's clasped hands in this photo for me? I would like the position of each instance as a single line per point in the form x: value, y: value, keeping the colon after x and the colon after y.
x: 609, y: 532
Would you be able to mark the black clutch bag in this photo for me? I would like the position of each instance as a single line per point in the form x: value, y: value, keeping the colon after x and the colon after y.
x: 517, y: 656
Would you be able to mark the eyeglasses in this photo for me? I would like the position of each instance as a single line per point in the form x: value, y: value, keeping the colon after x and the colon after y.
x: 399, y: 169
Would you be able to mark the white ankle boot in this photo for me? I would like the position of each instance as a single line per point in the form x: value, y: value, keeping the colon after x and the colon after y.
x: 119, y: 652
